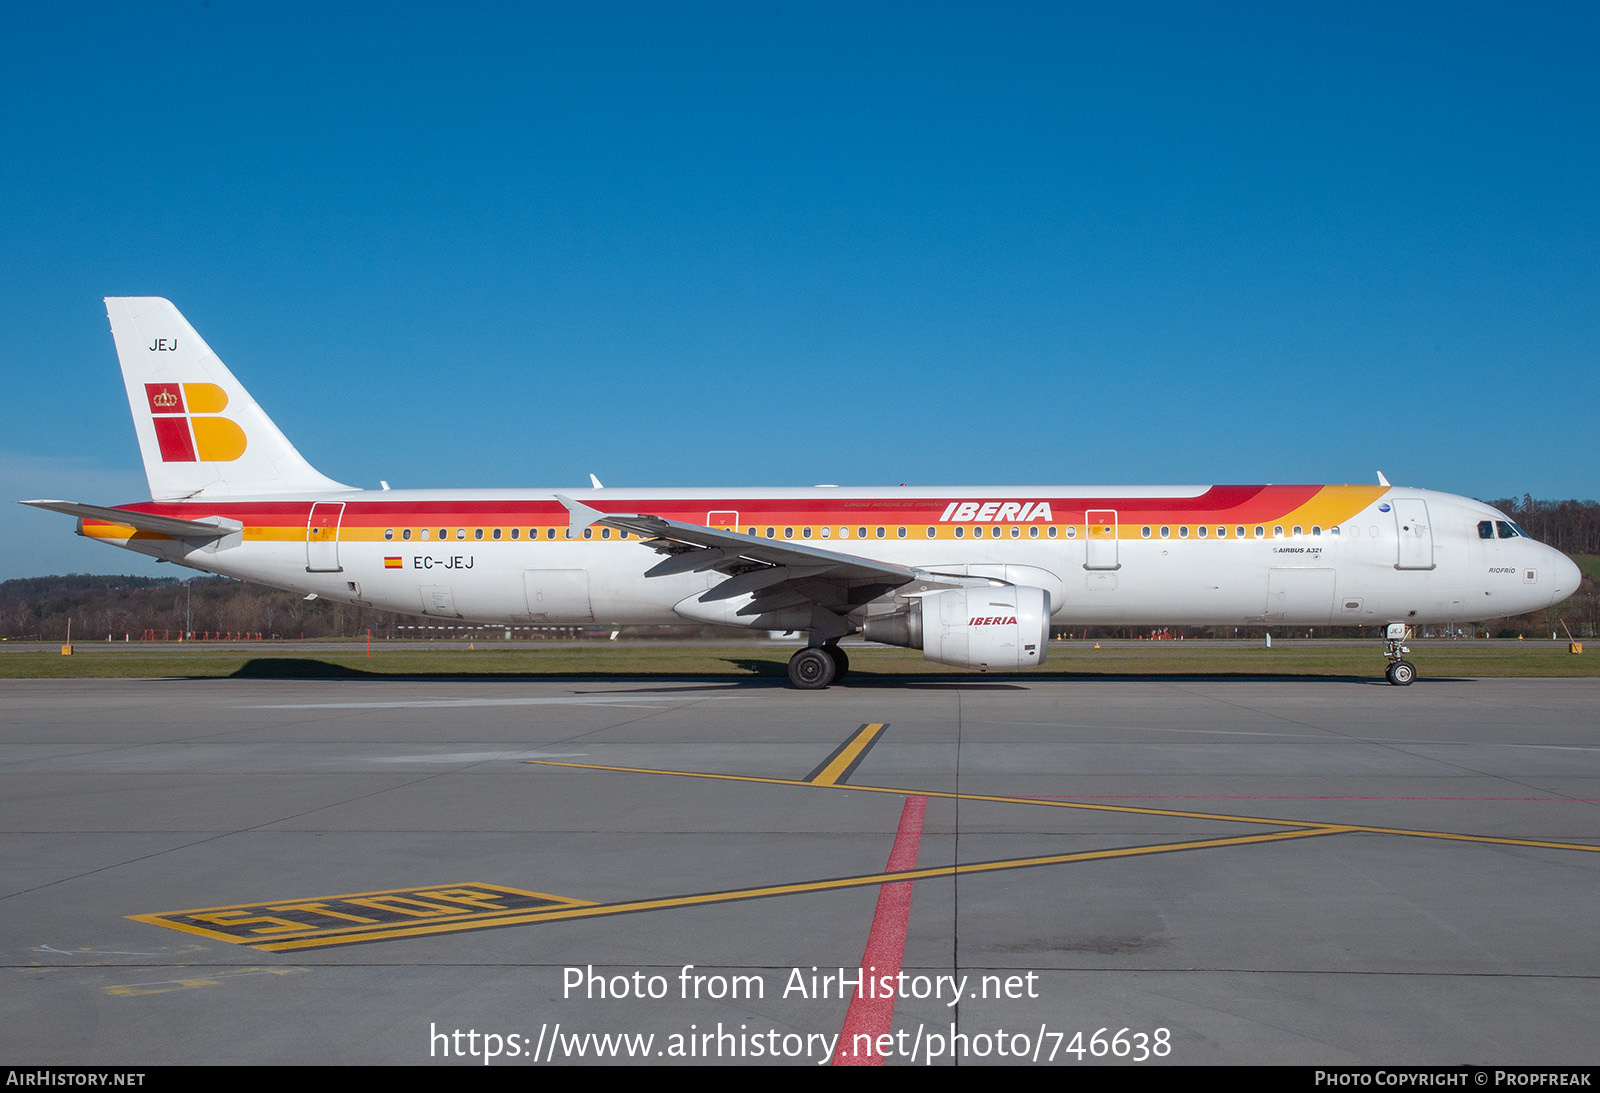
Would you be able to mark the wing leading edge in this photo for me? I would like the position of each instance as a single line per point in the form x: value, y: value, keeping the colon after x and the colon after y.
x: 776, y: 575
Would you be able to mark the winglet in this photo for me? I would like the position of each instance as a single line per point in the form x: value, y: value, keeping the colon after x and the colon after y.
x: 1382, y: 481
x: 582, y: 515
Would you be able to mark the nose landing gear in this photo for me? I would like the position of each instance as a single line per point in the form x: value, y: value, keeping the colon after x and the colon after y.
x: 1400, y: 671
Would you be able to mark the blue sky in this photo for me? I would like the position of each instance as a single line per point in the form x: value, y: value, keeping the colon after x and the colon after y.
x: 778, y: 244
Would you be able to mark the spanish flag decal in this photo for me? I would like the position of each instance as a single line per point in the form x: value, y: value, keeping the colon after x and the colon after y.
x: 391, y: 563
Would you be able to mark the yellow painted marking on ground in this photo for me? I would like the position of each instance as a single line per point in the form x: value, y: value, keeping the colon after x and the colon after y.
x: 848, y: 754
x: 166, y: 986
x: 1093, y: 807
x: 1135, y: 809
x: 321, y: 916
x: 1457, y: 836
x: 597, y: 910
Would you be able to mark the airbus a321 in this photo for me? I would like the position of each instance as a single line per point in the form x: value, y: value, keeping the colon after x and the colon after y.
x: 973, y: 576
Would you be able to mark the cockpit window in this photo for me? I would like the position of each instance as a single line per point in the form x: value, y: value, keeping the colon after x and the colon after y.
x: 1507, y: 529
x: 1486, y: 529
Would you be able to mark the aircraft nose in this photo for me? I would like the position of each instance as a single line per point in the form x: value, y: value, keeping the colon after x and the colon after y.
x: 1564, y: 576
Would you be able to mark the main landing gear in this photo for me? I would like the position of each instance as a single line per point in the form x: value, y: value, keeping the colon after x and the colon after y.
x: 817, y: 667
x: 1400, y: 671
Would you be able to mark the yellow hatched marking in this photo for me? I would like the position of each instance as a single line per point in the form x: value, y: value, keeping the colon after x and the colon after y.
x: 346, y: 916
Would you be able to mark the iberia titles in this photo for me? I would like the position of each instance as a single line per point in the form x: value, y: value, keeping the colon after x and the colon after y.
x: 996, y: 512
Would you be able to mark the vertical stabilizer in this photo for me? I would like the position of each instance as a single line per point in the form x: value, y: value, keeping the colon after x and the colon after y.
x: 199, y: 430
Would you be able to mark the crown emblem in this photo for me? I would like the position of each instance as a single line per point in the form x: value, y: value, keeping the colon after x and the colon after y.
x: 163, y: 400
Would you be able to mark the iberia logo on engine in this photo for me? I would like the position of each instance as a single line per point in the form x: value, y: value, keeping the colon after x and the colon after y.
x: 187, y: 426
x: 995, y: 620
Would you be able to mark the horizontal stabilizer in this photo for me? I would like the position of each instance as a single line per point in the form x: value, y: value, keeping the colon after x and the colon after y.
x: 172, y: 526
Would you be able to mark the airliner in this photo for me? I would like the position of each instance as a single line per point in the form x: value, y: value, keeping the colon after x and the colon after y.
x: 975, y: 577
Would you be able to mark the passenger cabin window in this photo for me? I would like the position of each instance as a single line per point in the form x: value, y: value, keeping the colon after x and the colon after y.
x: 1260, y: 531
x: 1144, y: 532
x: 1183, y: 532
x: 477, y: 533
x: 406, y: 534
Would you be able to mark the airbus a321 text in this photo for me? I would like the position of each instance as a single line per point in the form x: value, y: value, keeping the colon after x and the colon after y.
x: 974, y: 577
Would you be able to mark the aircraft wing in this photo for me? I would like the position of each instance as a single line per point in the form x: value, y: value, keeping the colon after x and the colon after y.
x: 170, y: 526
x: 777, y: 574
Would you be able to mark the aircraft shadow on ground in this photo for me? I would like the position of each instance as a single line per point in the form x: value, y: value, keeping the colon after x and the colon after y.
x: 745, y: 672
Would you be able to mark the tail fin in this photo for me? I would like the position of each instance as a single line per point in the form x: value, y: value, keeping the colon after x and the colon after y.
x: 199, y: 430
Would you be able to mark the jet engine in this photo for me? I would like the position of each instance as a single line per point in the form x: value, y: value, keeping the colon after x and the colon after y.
x: 1002, y: 627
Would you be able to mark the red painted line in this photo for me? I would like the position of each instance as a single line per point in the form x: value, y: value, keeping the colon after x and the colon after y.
x: 870, y: 1016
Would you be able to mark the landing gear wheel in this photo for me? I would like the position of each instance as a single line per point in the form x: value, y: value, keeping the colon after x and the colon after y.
x: 841, y: 663
x: 1401, y: 673
x: 811, y: 669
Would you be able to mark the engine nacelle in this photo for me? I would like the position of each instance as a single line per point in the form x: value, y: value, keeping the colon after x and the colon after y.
x: 1003, y: 627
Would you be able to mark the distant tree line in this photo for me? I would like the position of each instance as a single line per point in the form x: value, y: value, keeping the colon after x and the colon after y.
x: 37, y: 608
x: 1572, y: 527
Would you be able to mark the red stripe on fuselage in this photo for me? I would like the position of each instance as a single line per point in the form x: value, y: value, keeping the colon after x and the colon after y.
x: 1225, y: 504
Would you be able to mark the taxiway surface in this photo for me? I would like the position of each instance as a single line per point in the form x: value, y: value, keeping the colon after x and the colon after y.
x: 1239, y: 872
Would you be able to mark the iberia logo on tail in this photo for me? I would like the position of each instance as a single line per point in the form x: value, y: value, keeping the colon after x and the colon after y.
x: 188, y: 427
